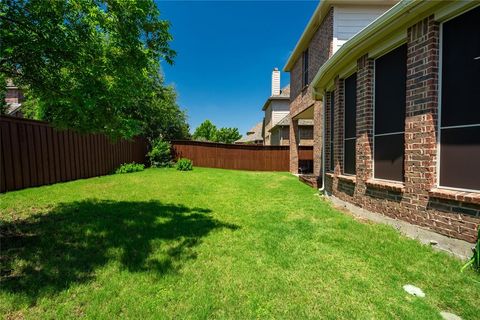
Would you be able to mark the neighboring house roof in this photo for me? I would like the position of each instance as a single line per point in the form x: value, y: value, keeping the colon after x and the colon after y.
x: 315, y: 21
x: 13, y: 108
x: 285, y: 122
x: 284, y: 95
x: 254, y: 134
x: 387, y: 25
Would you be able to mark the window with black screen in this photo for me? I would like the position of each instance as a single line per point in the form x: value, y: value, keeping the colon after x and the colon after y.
x: 390, y: 102
x: 460, y: 102
x: 350, y: 124
x: 332, y: 130
x: 305, y: 68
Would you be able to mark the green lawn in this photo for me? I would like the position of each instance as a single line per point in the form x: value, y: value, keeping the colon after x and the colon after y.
x: 212, y: 244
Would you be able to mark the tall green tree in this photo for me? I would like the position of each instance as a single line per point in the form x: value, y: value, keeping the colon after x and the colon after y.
x: 163, y: 118
x: 92, y: 65
x: 206, y: 131
x: 227, y: 135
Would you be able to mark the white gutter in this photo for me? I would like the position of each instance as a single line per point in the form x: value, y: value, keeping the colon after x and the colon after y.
x: 354, y: 48
x: 316, y: 20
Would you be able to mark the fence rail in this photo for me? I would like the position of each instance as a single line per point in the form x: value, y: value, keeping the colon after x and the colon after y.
x: 238, y: 157
x: 33, y: 153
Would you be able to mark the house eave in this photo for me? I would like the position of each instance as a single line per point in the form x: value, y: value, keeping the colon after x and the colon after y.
x: 270, y: 99
x: 390, y: 23
x: 317, y: 19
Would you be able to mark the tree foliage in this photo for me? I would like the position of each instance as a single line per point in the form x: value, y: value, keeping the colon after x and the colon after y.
x: 162, y: 117
x: 227, y: 135
x: 92, y: 65
x: 207, y: 131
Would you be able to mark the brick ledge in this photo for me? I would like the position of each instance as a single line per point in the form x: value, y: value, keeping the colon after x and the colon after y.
x: 351, y: 179
x: 386, y: 185
x: 461, y: 196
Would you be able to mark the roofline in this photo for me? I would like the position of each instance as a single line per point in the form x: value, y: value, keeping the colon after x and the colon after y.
x: 391, y: 22
x: 317, y: 19
x: 265, y: 105
x: 306, y: 34
x: 288, y: 125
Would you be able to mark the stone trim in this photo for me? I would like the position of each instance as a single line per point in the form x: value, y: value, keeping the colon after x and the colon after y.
x: 351, y: 179
x: 461, y: 196
x: 386, y: 185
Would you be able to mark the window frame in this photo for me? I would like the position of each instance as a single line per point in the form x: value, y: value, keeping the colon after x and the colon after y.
x: 302, y: 130
x: 374, y: 104
x: 439, y: 117
x: 344, y: 121
x: 332, y: 131
x: 305, y: 65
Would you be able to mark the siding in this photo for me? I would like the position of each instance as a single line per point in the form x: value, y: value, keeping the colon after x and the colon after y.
x: 280, y: 110
x: 348, y: 21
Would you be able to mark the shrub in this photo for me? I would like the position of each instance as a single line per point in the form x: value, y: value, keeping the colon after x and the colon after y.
x: 130, y: 167
x: 160, y: 154
x: 475, y: 260
x: 184, y: 164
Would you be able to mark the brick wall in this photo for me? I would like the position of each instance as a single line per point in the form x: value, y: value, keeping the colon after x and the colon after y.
x: 452, y: 213
x: 14, y: 95
x: 319, y: 51
x: 294, y: 141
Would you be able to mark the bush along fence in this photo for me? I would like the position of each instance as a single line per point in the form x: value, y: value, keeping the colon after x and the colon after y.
x: 237, y: 157
x: 33, y: 153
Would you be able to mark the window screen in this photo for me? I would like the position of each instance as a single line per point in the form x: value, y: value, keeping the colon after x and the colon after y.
x: 306, y: 132
x: 390, y: 101
x: 460, y: 104
x: 332, y: 129
x: 285, y: 133
x: 350, y: 128
x: 305, y: 67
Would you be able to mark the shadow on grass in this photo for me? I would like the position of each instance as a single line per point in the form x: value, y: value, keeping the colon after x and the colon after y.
x: 47, y: 253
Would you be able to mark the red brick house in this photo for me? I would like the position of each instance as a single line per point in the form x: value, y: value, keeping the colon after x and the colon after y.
x: 332, y: 24
x: 402, y: 115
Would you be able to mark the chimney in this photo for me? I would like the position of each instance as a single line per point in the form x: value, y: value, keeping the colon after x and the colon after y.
x: 275, y: 82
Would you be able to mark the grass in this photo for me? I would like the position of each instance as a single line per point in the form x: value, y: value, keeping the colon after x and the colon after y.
x: 212, y: 244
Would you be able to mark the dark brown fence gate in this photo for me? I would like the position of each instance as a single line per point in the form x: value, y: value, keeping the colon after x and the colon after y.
x: 238, y: 157
x: 33, y: 153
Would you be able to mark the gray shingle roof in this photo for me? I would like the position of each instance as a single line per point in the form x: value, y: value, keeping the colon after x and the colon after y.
x: 254, y: 134
x: 284, y: 95
x: 286, y: 122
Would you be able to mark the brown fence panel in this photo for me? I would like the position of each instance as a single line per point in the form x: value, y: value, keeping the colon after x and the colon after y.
x: 238, y: 157
x: 33, y: 153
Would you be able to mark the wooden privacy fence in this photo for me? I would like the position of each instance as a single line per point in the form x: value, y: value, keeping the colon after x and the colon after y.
x: 33, y: 153
x: 238, y: 157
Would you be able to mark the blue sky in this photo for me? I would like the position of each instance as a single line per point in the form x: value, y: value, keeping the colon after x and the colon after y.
x: 226, y: 52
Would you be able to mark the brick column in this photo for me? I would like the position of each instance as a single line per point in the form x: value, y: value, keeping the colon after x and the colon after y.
x: 364, y: 146
x: 294, y: 142
x: 317, y: 138
x: 421, y: 112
